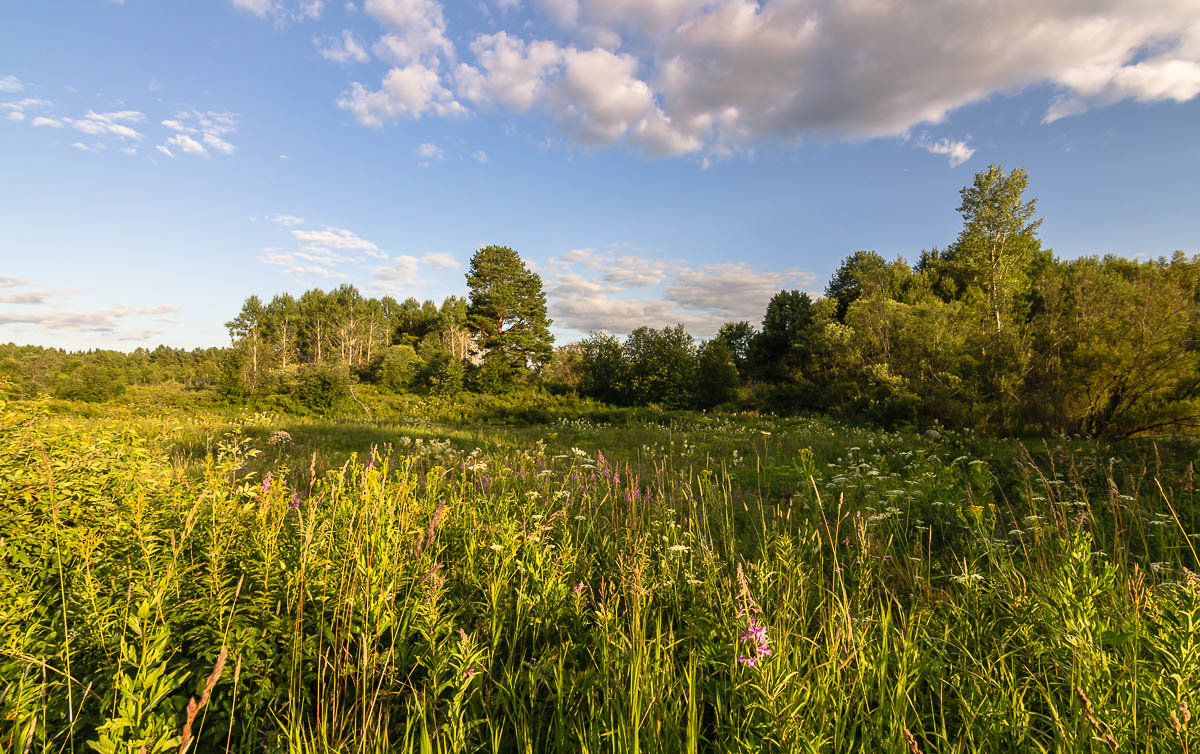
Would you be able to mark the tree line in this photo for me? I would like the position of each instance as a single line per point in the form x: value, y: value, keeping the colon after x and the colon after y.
x: 992, y: 332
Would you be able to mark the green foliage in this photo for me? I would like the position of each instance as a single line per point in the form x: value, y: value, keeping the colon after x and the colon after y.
x: 605, y: 371
x: 90, y: 382
x: 508, y: 308
x: 716, y: 374
x: 661, y: 366
x: 586, y: 584
x: 396, y: 368
x: 322, y: 388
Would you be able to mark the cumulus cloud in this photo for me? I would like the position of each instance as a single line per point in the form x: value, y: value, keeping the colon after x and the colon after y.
x: 16, y: 115
x: 348, y: 50
x: 612, y: 292
x: 479, y: 155
x: 42, y: 120
x: 163, y: 148
x: 10, y: 84
x: 286, y: 221
x: 407, y: 92
x: 673, y: 77
x: 416, y: 30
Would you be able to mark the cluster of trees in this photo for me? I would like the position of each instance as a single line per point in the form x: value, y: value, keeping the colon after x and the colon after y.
x: 99, y: 375
x: 992, y: 332
x: 313, y: 346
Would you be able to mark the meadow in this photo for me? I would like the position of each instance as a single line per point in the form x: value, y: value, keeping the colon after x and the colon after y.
x: 449, y: 576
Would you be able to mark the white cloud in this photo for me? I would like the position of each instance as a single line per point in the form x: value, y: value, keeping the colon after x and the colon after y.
x: 595, y: 95
x: 611, y: 292
x: 80, y: 146
x: 416, y: 30
x: 292, y: 264
x: 17, y: 108
x: 404, y: 272
x: 217, y: 143
x: 105, y: 321
x: 210, y: 127
x: 336, y: 238
x: 113, y: 123
x: 429, y: 153
x: 480, y: 155
x: 406, y: 93
x: 282, y: 11
x: 42, y: 120
x: 675, y: 77
x: 11, y: 84
x: 187, y: 144
x: 958, y: 151
x: 346, y: 51
x: 286, y: 221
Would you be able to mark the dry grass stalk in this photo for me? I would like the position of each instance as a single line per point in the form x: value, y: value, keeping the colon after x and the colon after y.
x: 193, y: 707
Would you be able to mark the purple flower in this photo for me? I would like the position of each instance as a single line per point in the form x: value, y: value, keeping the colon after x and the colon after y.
x: 266, y: 485
x: 468, y: 673
x: 296, y: 500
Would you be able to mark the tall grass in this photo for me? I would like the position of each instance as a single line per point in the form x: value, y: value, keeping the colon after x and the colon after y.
x: 698, y: 584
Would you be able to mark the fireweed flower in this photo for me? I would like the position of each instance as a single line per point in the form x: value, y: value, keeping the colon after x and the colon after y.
x: 753, y: 638
x: 266, y: 485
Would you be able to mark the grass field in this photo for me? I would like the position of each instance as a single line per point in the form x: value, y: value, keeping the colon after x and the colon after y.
x: 176, y: 576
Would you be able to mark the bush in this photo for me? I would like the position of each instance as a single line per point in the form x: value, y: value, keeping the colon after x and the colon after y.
x: 322, y: 388
x: 396, y: 368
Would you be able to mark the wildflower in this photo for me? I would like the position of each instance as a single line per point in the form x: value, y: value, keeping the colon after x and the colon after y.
x: 679, y: 548
x: 266, y: 483
x: 755, y: 633
x: 468, y: 673
x: 496, y: 547
x: 577, y: 589
x: 296, y: 500
x: 279, y: 437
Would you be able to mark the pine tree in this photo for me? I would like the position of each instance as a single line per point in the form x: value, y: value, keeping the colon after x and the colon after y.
x: 507, y: 308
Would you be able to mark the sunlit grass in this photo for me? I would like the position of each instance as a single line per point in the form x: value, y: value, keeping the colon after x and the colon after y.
x: 574, y: 586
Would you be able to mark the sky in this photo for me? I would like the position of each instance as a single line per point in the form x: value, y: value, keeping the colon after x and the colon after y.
x: 655, y: 161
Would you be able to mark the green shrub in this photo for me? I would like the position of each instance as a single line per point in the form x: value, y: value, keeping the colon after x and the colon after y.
x: 322, y: 388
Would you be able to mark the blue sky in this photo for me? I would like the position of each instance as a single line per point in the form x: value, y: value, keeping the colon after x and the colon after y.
x: 657, y: 161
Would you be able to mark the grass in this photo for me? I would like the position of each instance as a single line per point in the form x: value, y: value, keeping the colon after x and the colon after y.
x: 178, y: 577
